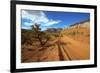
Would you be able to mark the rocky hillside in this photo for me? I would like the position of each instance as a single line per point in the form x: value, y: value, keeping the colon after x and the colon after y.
x: 84, y: 24
x: 79, y: 31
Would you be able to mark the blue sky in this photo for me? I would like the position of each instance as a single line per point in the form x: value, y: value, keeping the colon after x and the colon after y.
x: 51, y: 19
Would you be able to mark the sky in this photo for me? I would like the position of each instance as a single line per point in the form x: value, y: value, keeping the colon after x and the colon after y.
x: 51, y: 19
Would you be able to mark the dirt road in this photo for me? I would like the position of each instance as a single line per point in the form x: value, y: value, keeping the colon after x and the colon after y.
x: 61, y: 49
x: 66, y: 48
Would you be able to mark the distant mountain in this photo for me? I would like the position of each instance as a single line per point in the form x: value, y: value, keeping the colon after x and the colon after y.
x: 53, y: 29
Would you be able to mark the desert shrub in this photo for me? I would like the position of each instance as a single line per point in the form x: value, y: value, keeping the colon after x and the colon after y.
x: 26, y: 36
x: 82, y: 33
x: 73, y: 33
x: 77, y: 32
x: 53, y: 34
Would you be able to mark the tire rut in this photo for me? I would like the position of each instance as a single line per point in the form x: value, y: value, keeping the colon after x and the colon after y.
x: 62, y: 51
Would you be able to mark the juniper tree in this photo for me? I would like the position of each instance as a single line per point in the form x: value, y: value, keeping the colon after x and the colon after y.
x: 40, y: 35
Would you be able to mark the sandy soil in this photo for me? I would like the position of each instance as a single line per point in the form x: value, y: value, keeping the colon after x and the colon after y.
x: 62, y: 48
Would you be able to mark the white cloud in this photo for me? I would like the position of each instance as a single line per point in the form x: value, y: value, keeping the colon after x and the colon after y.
x: 38, y: 17
x: 52, y: 22
x: 27, y: 24
x: 24, y: 27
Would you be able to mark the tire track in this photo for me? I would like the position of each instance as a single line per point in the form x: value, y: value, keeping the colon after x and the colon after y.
x: 63, y: 54
x: 66, y: 53
x: 61, y: 57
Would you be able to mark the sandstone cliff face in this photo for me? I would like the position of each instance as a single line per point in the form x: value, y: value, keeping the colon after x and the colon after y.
x: 84, y: 24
